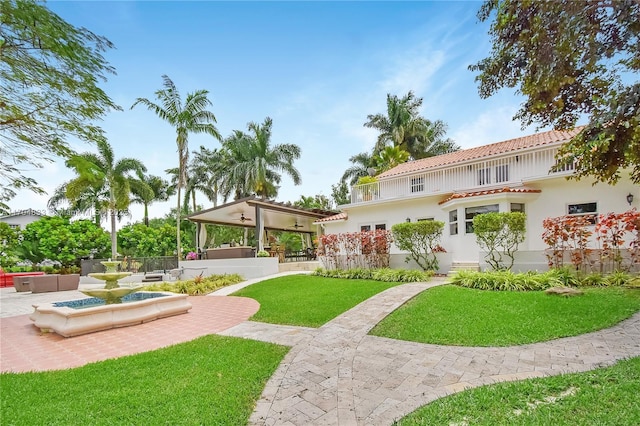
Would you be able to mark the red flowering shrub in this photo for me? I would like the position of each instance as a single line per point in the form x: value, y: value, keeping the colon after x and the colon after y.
x: 349, y: 250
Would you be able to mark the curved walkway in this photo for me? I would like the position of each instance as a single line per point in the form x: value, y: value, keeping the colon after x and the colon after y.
x: 338, y: 375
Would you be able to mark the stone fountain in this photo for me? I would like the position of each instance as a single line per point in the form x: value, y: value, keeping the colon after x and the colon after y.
x: 109, y: 307
x: 112, y: 292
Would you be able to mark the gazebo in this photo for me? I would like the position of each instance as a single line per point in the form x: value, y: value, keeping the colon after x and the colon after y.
x: 263, y: 215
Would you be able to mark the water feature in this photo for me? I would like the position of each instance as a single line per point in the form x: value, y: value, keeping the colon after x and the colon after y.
x: 109, y: 307
x: 112, y: 292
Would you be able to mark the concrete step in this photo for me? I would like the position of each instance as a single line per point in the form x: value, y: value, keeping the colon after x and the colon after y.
x: 464, y: 266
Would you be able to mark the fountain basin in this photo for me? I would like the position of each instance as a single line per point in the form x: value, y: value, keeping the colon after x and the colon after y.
x: 68, y: 322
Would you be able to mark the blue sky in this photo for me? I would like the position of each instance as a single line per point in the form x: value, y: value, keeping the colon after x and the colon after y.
x: 316, y: 68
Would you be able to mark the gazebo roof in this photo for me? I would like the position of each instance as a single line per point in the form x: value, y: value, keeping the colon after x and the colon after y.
x: 275, y: 215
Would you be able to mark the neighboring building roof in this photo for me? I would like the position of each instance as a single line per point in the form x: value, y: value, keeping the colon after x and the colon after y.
x: 335, y: 217
x: 26, y: 212
x: 490, y: 192
x: 524, y: 142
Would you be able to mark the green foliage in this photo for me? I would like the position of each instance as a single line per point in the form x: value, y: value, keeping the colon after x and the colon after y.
x: 197, y: 286
x: 382, y: 274
x: 149, y: 241
x: 452, y: 315
x: 340, y: 193
x: 500, y: 234
x: 422, y: 241
x: 570, y: 60
x: 213, y: 379
x: 251, y: 165
x: 50, y: 73
x: 365, y: 180
x: 58, y: 239
x: 404, y: 128
x: 618, y: 278
x: 263, y: 253
x: 318, y: 201
x: 9, y: 239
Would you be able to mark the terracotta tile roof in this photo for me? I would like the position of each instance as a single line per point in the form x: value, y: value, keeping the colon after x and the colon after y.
x: 538, y: 139
x: 489, y: 192
x: 339, y: 216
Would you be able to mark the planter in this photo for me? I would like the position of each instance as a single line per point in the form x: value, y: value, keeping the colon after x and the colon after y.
x: 44, y: 283
x: 68, y: 282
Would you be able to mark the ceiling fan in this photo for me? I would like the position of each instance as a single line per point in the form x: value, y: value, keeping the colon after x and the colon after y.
x: 242, y: 218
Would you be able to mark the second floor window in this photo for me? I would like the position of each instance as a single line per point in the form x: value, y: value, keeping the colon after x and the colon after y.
x: 417, y: 184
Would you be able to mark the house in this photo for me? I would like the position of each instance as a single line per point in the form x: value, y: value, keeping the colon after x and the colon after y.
x: 512, y: 175
x: 21, y: 218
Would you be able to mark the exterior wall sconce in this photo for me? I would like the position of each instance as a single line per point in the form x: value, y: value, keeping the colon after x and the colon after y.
x: 630, y: 198
x: 408, y: 219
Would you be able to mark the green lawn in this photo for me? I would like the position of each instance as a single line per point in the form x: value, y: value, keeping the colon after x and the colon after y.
x: 451, y: 315
x: 212, y: 380
x: 606, y: 396
x: 307, y: 300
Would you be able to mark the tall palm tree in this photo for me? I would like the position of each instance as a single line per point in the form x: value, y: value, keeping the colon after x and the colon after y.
x: 361, y: 164
x: 149, y: 189
x: 190, y: 116
x: 405, y: 128
x: 102, y: 171
x: 91, y: 199
x: 250, y: 165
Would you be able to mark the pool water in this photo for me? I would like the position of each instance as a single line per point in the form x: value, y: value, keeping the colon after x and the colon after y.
x: 94, y: 301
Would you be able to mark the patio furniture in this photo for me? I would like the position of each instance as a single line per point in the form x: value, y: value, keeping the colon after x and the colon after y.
x: 230, y: 252
x: 43, y: 283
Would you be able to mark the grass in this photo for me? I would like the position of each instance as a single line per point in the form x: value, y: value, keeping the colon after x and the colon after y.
x: 210, y: 380
x: 606, y: 396
x: 451, y: 315
x: 307, y: 300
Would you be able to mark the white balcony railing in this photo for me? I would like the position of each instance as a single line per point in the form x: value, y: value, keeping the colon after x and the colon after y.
x: 504, y: 171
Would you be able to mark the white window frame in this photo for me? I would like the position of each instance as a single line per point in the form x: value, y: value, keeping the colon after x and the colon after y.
x: 593, y: 216
x: 417, y: 184
x: 468, y: 223
x: 454, y: 228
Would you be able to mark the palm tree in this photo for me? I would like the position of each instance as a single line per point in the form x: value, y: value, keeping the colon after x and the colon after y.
x: 91, y: 199
x: 102, y: 174
x: 204, y: 175
x: 188, y: 117
x: 149, y: 189
x: 390, y: 157
x: 250, y: 165
x: 362, y: 163
x: 405, y: 128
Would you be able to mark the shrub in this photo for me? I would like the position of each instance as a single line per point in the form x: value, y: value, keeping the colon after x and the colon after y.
x: 382, y: 274
x: 198, y: 286
x: 263, y: 253
x: 422, y: 241
x: 500, y: 234
x: 503, y: 281
x: 618, y: 279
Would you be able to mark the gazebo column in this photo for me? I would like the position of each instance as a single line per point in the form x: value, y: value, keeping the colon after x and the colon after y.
x: 259, y: 229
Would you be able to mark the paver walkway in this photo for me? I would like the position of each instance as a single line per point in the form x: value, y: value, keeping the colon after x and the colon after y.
x: 338, y: 375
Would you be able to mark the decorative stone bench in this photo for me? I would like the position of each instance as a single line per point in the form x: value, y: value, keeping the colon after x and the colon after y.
x: 53, y: 282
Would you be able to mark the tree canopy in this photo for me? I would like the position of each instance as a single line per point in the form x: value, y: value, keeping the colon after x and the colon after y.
x: 572, y: 59
x: 50, y: 71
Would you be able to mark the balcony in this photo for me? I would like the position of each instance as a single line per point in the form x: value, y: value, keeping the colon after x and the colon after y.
x: 507, y: 170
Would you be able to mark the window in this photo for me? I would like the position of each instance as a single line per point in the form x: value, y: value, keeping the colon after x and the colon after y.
x: 425, y: 218
x: 517, y: 207
x: 417, y: 184
x: 502, y: 173
x: 590, y: 210
x: 484, y: 176
x: 471, y: 212
x: 377, y: 227
x: 453, y: 222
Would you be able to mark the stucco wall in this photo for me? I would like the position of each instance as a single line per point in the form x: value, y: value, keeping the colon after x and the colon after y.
x: 556, y: 194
